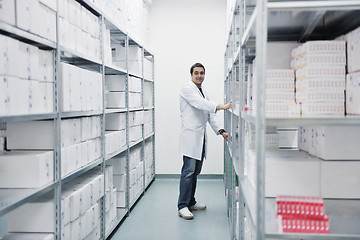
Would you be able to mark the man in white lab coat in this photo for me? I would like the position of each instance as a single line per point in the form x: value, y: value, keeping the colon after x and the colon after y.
x: 196, y: 110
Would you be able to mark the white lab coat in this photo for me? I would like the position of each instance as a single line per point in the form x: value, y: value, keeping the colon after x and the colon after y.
x: 195, y: 112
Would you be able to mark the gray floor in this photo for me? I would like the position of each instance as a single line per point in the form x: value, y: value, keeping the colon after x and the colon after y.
x: 155, y: 217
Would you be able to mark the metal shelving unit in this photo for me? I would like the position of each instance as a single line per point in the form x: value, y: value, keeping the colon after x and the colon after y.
x: 10, y: 199
x: 259, y: 22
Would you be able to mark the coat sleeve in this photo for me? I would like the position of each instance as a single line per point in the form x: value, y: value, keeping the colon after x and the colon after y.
x: 214, y: 123
x: 191, y: 95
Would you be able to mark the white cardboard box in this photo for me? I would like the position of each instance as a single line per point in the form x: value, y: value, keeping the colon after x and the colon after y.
x: 340, y: 179
x: 120, y: 199
x: 7, y: 11
x: 353, y: 93
x: 115, y: 100
x: 115, y: 83
x: 353, y: 50
x: 33, y: 217
x: 30, y: 135
x: 119, y: 164
x: 115, y: 121
x: 26, y: 169
x: 292, y: 176
x: 338, y: 143
x: 120, y: 182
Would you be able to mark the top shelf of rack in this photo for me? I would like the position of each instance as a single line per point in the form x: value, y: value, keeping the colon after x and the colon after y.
x: 305, y: 20
x: 291, y: 120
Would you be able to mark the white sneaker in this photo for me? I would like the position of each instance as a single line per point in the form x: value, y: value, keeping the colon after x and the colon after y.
x: 198, y: 206
x: 185, y: 213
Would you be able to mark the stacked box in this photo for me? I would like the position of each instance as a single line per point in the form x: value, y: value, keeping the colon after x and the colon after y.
x: 80, y: 29
x: 353, y: 93
x: 114, y: 141
x: 320, y: 77
x: 26, y: 78
x: 82, y: 89
x: 80, y: 210
x: 26, y: 169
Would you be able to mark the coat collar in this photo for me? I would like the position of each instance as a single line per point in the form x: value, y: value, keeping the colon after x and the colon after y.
x: 197, y: 89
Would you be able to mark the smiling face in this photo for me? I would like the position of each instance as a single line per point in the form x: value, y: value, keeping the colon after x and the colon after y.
x: 198, y: 76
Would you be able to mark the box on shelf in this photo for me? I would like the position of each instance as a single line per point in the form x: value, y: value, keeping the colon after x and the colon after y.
x: 115, y: 121
x: 115, y: 100
x: 287, y: 176
x: 115, y: 83
x: 26, y: 169
x: 120, y: 182
x: 135, y: 84
x: 7, y: 12
x: 333, y: 108
x: 353, y: 50
x: 337, y: 143
x: 353, y: 93
x: 119, y: 164
x: 340, y: 179
x: 134, y: 100
x: 30, y: 135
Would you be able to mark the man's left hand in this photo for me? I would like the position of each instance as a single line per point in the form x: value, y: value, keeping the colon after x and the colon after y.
x: 225, y: 135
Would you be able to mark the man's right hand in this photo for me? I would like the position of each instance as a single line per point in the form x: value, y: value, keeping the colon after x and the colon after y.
x: 224, y: 107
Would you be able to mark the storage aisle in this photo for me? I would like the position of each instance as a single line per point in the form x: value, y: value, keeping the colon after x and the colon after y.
x: 156, y: 217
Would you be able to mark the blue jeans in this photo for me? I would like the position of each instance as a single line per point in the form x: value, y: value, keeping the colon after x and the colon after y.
x: 190, y: 170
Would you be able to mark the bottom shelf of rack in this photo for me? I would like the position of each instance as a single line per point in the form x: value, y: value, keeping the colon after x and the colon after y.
x: 121, y: 213
x: 344, y: 217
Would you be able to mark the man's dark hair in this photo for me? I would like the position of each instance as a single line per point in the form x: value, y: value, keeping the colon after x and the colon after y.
x: 196, y: 65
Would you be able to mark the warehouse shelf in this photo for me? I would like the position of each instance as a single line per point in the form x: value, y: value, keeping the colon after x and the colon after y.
x: 315, y: 120
x: 111, y: 155
x: 136, y: 109
x: 149, y: 136
x: 344, y: 217
x: 80, y: 171
x: 132, y: 144
x: 148, y: 80
x: 150, y: 182
x: 90, y: 6
x: 149, y: 108
x: 135, y: 75
x: 136, y: 199
x: 121, y: 214
x: 81, y: 114
x: 79, y: 59
x: 258, y: 23
x: 30, y: 117
x: 11, y: 198
x: 113, y: 69
x: 115, y: 110
x: 26, y: 36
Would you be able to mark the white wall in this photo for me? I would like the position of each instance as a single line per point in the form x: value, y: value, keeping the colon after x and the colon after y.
x: 183, y: 32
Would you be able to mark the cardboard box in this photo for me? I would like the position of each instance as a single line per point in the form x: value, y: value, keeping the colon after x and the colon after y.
x: 115, y: 100
x: 338, y: 143
x: 340, y: 179
x: 332, y: 108
x: 33, y: 217
x: 353, y: 93
x: 115, y: 83
x: 120, y: 199
x: 47, y: 23
x: 23, y: 13
x: 7, y: 12
x: 26, y: 169
x: 286, y: 176
x: 115, y: 121
x: 134, y: 100
x: 135, y: 84
x: 119, y: 164
x: 353, y: 50
x: 120, y: 182
x: 30, y: 135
